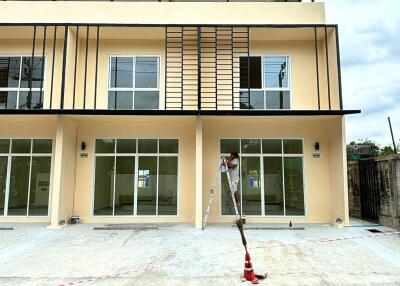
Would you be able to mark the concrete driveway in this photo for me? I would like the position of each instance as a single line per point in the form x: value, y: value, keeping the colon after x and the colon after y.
x: 181, y: 255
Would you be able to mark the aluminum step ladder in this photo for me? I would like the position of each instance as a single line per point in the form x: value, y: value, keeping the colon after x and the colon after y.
x: 222, y: 168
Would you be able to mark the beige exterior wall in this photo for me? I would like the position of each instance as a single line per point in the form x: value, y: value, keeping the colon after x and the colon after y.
x: 72, y: 178
x: 162, y: 13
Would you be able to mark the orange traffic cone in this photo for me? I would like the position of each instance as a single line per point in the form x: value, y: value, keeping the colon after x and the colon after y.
x: 248, y: 270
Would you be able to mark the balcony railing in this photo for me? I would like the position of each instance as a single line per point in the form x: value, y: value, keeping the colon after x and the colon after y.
x: 200, y: 67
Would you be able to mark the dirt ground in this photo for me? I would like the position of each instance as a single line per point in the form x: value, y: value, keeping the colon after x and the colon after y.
x: 178, y: 254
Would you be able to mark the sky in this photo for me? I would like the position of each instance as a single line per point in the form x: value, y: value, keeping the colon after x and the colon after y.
x: 369, y: 34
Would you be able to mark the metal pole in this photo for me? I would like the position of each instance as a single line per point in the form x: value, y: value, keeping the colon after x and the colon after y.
x: 391, y: 132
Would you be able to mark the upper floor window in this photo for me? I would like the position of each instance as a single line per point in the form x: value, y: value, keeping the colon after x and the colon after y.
x: 268, y: 79
x: 21, y: 82
x: 134, y: 82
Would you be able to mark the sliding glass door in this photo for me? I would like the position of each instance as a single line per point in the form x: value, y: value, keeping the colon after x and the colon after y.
x: 147, y: 186
x: 167, y: 185
x: 104, y: 182
x: 136, y: 177
x: 271, y: 177
x: 273, y: 186
x: 25, y: 166
x: 294, y: 186
x: 251, y: 185
x: 124, y: 185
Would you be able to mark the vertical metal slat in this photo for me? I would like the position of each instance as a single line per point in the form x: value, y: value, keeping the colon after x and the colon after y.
x: 198, y: 68
x: 317, y: 65
x: 75, y: 65
x: 42, y: 70
x: 248, y: 69
x: 86, y: 60
x: 64, y: 67
x: 52, y: 66
x: 327, y: 67
x: 339, y: 67
x: 29, y: 99
x: 97, y: 62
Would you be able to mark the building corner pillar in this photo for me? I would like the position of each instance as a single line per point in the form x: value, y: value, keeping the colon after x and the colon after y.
x: 199, y: 173
x: 346, y: 215
x: 61, y: 204
x: 56, y: 185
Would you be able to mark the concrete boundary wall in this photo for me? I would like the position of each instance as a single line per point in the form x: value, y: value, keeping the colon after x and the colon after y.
x: 388, y: 168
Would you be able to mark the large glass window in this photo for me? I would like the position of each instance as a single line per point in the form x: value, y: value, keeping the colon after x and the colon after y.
x: 136, y: 177
x: 134, y: 83
x: 25, y: 166
x: 269, y: 82
x: 21, y: 82
x: 271, y: 176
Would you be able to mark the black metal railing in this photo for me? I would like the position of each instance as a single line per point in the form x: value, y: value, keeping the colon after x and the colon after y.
x: 201, y: 65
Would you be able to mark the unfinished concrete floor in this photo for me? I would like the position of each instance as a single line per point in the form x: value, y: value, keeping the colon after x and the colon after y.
x: 181, y: 255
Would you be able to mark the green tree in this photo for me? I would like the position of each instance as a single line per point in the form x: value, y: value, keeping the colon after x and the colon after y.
x: 386, y: 150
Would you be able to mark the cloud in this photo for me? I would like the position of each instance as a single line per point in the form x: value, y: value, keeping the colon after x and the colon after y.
x: 370, y: 51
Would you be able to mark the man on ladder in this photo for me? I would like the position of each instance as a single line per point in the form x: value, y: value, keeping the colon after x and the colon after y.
x: 233, y: 168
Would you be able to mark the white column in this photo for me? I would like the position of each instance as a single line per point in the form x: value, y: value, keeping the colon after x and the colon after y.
x: 199, y: 173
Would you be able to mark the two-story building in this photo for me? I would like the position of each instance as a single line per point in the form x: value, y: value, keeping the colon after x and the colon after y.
x: 119, y: 112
